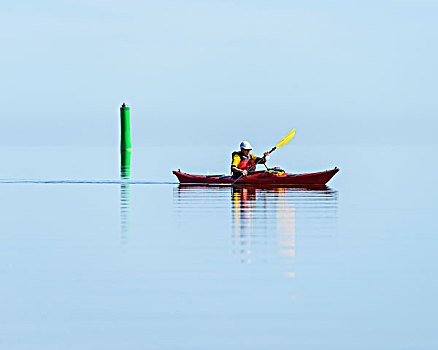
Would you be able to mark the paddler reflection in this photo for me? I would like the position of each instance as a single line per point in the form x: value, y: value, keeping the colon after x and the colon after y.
x: 251, y: 230
x: 243, y: 204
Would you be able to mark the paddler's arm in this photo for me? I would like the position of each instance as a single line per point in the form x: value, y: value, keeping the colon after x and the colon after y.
x: 235, y: 170
x: 261, y: 160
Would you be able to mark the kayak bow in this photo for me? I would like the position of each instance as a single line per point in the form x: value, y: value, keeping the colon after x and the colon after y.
x: 262, y: 178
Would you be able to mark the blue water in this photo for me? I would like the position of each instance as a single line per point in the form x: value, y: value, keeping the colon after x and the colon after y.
x: 92, y: 261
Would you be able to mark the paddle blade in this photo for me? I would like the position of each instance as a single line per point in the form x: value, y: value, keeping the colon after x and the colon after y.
x: 286, y: 139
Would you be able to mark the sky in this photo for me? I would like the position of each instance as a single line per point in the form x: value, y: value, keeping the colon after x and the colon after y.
x: 216, y: 72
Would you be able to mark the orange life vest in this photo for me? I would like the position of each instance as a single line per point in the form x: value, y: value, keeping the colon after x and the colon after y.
x: 246, y: 162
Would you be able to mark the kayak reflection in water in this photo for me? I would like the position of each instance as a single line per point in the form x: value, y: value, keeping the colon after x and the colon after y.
x: 243, y: 161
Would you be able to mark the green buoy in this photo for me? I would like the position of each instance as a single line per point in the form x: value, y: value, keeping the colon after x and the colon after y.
x: 125, y: 142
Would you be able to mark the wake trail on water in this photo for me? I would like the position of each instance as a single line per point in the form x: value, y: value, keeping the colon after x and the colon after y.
x: 92, y: 182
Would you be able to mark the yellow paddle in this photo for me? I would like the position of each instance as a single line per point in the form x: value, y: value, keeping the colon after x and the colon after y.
x: 280, y: 144
x: 284, y: 141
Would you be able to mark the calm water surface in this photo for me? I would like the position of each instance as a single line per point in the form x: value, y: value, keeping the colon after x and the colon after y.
x: 89, y: 261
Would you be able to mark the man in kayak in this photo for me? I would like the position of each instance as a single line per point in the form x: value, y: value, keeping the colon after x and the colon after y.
x: 244, y: 160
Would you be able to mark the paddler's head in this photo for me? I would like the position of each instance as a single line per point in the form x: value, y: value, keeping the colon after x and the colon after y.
x: 245, y: 147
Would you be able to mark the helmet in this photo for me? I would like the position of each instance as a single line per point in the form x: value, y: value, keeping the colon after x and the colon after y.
x: 245, y: 145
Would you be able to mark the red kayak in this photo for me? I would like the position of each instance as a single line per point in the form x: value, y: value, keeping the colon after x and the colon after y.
x: 260, y: 178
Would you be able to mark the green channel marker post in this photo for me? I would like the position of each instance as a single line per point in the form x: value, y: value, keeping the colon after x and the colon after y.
x: 125, y: 142
x: 125, y: 164
x: 125, y: 172
x: 125, y: 122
